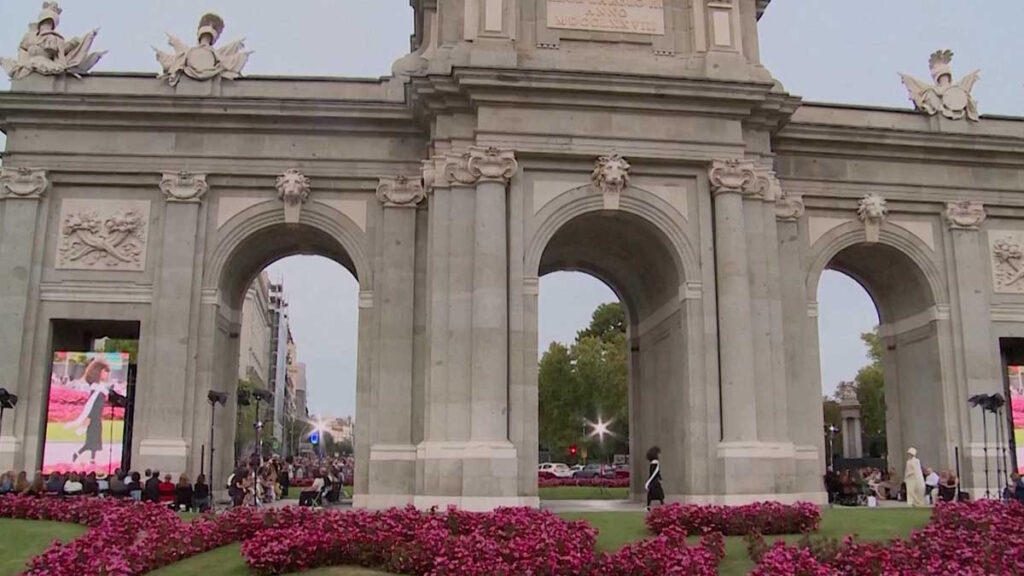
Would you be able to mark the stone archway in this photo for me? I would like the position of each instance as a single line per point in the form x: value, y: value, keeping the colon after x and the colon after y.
x: 248, y: 243
x: 914, y: 329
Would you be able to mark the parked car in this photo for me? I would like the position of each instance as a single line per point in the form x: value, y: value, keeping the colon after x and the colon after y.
x: 556, y: 469
x: 622, y: 471
x: 595, y: 471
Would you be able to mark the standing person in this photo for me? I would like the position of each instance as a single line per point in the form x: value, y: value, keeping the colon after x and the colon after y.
x: 97, y: 376
x: 914, y: 478
x: 653, y: 484
x: 284, y: 476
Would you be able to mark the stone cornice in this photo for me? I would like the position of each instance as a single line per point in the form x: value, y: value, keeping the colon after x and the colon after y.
x: 23, y: 182
x: 184, y: 186
x: 400, y: 192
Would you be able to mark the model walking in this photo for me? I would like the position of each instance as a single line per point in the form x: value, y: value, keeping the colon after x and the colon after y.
x: 97, y: 376
x: 653, y: 484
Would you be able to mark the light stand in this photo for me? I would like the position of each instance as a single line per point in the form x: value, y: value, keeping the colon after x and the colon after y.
x: 261, y: 396
x: 831, y: 429
x: 983, y: 401
x: 7, y: 402
x: 214, y: 398
x: 995, y: 406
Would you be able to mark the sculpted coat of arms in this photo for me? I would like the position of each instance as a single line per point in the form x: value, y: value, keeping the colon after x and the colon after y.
x: 203, y: 61
x: 952, y: 100
x: 44, y: 51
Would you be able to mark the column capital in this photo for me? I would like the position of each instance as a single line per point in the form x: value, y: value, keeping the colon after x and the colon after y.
x: 789, y: 208
x: 400, y: 192
x: 480, y: 164
x: 732, y: 176
x: 183, y: 186
x: 23, y: 182
x: 767, y: 185
x: 965, y: 215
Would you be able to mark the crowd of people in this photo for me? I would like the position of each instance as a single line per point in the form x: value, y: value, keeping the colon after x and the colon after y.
x: 147, y: 487
x: 857, y: 486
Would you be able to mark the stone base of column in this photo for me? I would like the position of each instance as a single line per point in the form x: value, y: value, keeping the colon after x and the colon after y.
x: 756, y: 471
x: 168, y: 455
x: 10, y: 447
x: 475, y: 475
x: 392, y: 477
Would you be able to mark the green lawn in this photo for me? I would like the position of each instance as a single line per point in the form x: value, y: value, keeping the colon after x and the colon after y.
x: 582, y: 493
x: 23, y: 539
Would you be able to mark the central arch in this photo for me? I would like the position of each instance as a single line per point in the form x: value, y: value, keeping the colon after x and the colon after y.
x: 640, y: 252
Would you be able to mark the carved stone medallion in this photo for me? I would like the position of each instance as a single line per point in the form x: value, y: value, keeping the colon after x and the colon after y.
x: 103, y: 235
x: 23, y: 182
x: 1007, y: 261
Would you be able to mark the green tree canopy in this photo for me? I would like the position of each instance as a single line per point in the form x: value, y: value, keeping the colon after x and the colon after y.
x: 587, y: 381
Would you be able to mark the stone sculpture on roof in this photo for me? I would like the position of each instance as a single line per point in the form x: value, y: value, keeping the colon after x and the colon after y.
x: 954, y: 101
x: 203, y: 61
x: 44, y: 51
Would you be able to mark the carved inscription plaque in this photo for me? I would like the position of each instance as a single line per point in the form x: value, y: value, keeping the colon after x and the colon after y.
x: 630, y: 16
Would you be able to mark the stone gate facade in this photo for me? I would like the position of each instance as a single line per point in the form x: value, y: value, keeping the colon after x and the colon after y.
x: 641, y: 142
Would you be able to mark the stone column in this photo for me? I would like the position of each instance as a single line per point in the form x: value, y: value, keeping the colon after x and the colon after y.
x: 849, y: 411
x: 392, y: 455
x: 981, y: 371
x: 161, y: 401
x: 730, y: 181
x: 21, y: 190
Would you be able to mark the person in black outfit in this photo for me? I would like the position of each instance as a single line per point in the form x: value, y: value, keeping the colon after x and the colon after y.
x: 151, y: 491
x: 183, y: 494
x: 97, y: 373
x: 201, y: 494
x: 653, y: 485
x: 283, y: 476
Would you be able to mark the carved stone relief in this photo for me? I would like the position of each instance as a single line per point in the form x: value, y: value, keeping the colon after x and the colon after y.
x: 736, y: 176
x: 1007, y: 261
x: 45, y: 51
x: 103, y: 235
x: 184, y: 186
x: 611, y: 177
x: 203, y: 61
x: 478, y: 164
x: 952, y: 100
x: 967, y: 215
x: 400, y: 192
x: 23, y: 183
x: 293, y: 189
x: 872, y: 211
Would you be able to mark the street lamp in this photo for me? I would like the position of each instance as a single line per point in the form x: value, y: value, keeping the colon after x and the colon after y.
x: 261, y: 396
x: 831, y: 429
x: 214, y: 398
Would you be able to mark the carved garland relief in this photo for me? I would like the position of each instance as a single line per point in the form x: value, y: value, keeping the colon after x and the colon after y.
x: 1007, y: 261
x: 103, y: 235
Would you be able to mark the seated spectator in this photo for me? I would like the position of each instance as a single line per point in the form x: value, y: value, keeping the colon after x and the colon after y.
x: 54, y: 484
x: 201, y: 494
x: 73, y: 485
x: 116, y: 485
x: 21, y: 483
x: 1018, y: 487
x: 6, y: 482
x: 167, y: 490
x: 183, y: 494
x: 151, y: 489
x: 949, y: 486
x: 36, y: 488
x: 91, y: 485
x: 309, y: 493
x: 931, y: 483
x: 134, y: 487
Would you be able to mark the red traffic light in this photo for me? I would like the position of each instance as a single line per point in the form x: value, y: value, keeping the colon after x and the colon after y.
x: 572, y: 450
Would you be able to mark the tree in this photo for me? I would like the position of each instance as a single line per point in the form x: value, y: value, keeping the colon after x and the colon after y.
x: 120, y: 345
x: 587, y: 382
x: 871, y: 395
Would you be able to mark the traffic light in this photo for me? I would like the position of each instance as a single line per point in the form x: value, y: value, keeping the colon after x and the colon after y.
x: 314, y: 437
x: 572, y: 450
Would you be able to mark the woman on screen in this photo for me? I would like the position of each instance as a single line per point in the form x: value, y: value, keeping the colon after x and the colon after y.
x: 97, y: 376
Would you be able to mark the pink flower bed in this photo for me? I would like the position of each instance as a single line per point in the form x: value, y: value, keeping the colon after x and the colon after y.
x: 1017, y: 404
x: 66, y: 404
x: 128, y: 538
x: 968, y: 538
x: 761, y: 517
x: 595, y: 482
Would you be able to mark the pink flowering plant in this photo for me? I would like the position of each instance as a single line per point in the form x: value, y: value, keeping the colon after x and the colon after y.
x: 979, y: 538
x: 592, y: 482
x: 760, y: 517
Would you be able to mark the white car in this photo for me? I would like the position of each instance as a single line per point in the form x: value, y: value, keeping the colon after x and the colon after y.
x: 556, y: 468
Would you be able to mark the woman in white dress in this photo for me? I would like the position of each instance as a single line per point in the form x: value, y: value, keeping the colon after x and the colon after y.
x: 914, y: 478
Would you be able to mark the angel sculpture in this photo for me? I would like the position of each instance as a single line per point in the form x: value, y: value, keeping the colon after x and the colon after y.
x: 954, y: 101
x: 203, y: 62
x: 44, y: 51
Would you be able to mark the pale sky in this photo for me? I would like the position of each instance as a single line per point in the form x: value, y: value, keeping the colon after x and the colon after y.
x: 822, y: 50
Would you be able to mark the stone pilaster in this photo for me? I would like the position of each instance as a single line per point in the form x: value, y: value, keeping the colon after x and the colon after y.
x: 981, y: 368
x: 392, y: 454
x: 21, y: 192
x: 159, y: 409
x: 730, y: 181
